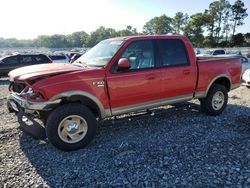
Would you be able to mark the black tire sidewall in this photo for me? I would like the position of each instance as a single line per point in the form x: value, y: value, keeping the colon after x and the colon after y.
x: 206, y: 104
x: 59, y: 114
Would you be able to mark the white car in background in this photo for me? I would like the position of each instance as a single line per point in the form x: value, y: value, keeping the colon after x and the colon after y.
x: 245, y: 64
x: 246, y: 78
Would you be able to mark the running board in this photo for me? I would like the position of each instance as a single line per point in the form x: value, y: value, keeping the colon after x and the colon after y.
x: 153, y: 112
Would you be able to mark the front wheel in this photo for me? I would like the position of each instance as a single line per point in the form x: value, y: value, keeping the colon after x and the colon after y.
x: 216, y: 100
x: 71, y: 126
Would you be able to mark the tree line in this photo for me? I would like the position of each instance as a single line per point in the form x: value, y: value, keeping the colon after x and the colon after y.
x: 215, y: 27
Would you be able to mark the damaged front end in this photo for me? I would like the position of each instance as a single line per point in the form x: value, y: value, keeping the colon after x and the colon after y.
x: 30, y: 106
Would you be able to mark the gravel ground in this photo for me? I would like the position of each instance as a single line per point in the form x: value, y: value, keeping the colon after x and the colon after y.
x: 176, y: 148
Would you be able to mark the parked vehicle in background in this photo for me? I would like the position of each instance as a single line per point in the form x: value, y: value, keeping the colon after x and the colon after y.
x: 119, y: 76
x: 75, y: 57
x: 76, y: 53
x: 245, y: 61
x: 245, y: 64
x: 59, y: 58
x: 9, y: 63
x: 212, y: 52
x: 197, y: 51
x: 216, y: 52
x: 246, y: 78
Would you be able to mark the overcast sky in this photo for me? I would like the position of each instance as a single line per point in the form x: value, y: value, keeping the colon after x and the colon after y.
x: 26, y: 19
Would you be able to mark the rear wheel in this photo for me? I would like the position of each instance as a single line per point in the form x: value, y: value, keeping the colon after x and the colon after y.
x: 71, y: 127
x: 216, y: 100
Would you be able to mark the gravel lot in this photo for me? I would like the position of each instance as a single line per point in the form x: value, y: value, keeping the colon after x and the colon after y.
x: 175, y: 148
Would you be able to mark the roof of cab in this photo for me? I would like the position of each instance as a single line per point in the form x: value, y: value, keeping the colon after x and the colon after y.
x: 149, y: 37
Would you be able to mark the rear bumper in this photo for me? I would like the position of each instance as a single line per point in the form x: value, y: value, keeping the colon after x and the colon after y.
x: 16, y: 102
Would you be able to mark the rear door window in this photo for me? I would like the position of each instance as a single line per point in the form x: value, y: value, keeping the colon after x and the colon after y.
x: 172, y: 52
x: 26, y: 59
x: 41, y: 59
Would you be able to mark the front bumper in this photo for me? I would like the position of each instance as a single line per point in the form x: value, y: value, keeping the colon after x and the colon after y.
x: 16, y: 102
x: 26, y: 109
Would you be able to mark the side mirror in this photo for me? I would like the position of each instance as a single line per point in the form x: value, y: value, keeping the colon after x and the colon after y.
x: 123, y: 63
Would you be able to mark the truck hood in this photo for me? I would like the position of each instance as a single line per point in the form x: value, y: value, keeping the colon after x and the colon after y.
x: 35, y: 71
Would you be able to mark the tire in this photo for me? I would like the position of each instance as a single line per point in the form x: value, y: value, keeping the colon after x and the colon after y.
x: 71, y: 127
x: 248, y: 87
x: 216, y: 100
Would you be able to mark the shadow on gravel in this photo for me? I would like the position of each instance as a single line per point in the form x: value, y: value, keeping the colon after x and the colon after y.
x: 31, y: 126
x: 180, y: 147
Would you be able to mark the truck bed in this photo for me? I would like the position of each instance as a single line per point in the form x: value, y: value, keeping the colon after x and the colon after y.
x: 212, y: 68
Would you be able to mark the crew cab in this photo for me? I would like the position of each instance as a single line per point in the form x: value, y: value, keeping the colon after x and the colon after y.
x: 119, y: 76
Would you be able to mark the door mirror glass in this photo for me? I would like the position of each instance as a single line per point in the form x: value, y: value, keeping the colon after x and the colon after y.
x: 123, y: 63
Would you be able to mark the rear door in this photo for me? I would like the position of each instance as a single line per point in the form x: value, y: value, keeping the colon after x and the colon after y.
x: 178, y: 73
x: 138, y: 86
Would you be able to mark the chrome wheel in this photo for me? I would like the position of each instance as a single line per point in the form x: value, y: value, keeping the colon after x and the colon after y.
x: 72, y: 129
x: 218, y: 100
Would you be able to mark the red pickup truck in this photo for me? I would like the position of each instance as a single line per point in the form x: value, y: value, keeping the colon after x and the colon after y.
x: 119, y: 76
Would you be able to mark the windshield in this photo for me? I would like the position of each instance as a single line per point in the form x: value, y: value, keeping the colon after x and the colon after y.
x: 100, y: 54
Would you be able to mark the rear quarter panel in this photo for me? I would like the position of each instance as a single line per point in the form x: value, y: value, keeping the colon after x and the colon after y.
x: 211, y: 68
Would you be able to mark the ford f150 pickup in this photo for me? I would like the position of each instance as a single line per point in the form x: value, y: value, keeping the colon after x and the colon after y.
x: 119, y: 76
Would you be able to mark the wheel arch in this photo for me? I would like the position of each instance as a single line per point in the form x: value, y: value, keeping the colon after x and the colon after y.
x: 85, y: 98
x: 222, y: 80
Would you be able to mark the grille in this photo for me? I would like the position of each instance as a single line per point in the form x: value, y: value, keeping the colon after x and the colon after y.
x: 17, y: 87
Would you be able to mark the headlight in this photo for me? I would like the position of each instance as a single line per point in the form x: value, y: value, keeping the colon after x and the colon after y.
x: 32, y: 95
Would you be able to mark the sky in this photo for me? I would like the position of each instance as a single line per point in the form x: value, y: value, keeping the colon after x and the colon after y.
x: 26, y: 19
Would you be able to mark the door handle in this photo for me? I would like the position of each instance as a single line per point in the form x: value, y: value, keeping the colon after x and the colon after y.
x: 186, y: 72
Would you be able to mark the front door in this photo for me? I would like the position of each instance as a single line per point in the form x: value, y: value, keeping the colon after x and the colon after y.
x: 137, y: 87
